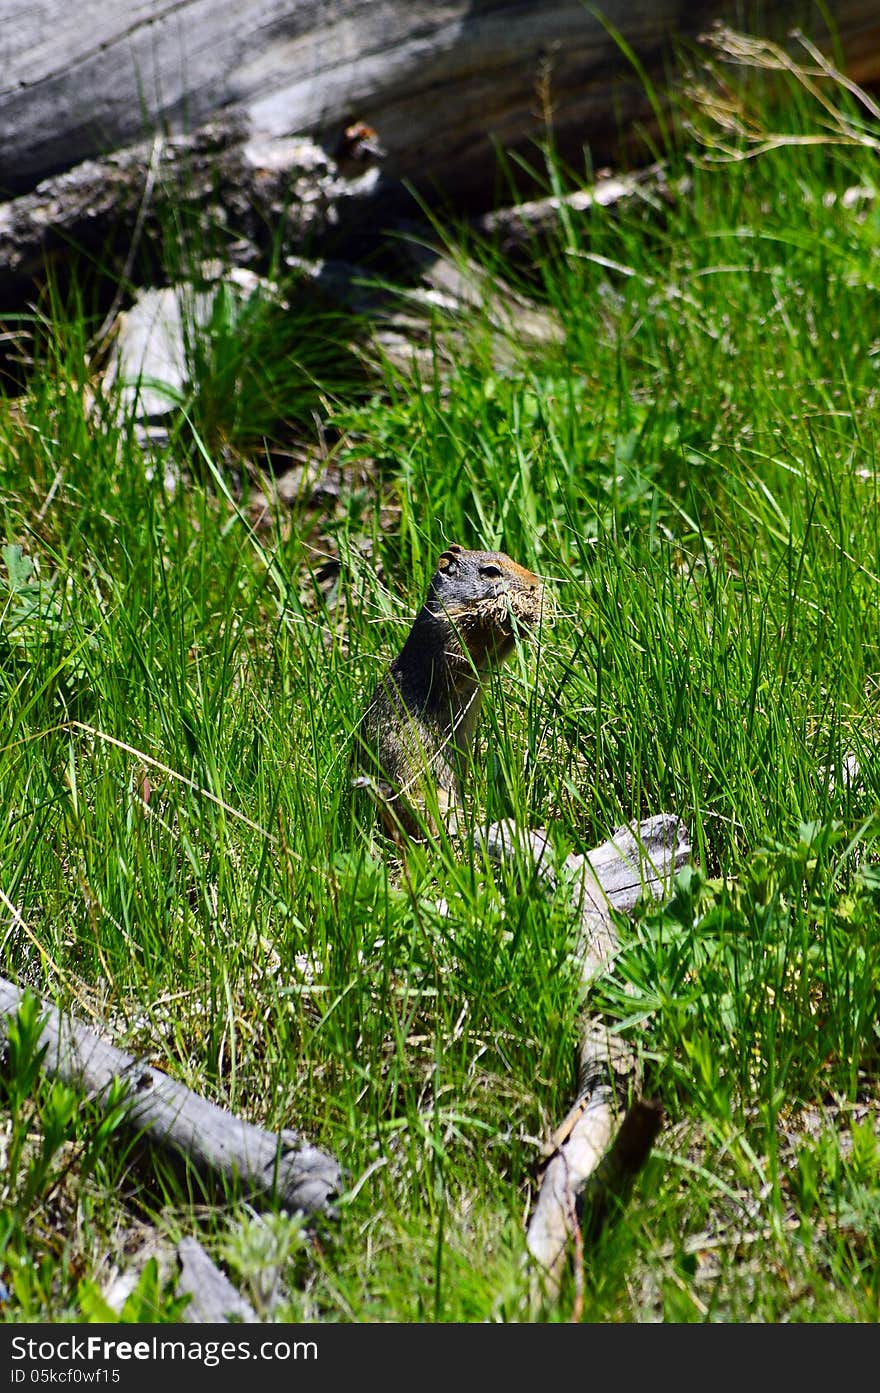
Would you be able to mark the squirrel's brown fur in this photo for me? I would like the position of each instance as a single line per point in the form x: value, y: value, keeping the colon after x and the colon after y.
x: 417, y: 732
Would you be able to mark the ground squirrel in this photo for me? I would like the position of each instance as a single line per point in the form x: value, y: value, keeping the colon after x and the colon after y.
x: 415, y: 737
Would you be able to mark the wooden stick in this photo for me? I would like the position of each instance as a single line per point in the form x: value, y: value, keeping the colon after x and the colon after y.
x: 592, y: 1157
x: 215, y: 1300
x: 280, y: 1165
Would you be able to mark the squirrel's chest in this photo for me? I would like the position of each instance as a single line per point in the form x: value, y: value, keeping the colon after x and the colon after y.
x: 464, y: 712
x: 449, y: 716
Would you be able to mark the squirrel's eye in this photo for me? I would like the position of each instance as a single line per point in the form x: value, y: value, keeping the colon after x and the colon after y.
x: 490, y: 572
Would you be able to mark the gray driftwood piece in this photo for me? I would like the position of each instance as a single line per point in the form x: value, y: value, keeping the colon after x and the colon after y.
x: 595, y: 1146
x: 214, y: 1300
x: 171, y: 1116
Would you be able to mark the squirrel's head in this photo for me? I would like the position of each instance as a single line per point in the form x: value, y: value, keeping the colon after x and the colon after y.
x: 487, y: 597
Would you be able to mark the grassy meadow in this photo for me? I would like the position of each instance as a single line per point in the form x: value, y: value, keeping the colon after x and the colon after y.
x: 693, y: 469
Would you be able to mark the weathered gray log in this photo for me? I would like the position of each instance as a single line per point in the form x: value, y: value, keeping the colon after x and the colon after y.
x: 244, y: 186
x: 213, y: 1298
x: 169, y: 1115
x: 607, y: 1135
x: 110, y: 114
x: 444, y: 84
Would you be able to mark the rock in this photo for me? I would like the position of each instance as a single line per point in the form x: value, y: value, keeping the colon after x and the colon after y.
x: 149, y: 366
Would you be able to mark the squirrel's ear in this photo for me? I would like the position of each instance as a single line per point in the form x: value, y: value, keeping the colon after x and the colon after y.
x: 448, y: 562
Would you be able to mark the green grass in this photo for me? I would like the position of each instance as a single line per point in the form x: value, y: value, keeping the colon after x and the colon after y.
x: 694, y: 472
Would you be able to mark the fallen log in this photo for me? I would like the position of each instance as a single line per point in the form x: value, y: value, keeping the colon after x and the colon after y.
x: 607, y: 1135
x: 443, y: 85
x: 282, y: 1166
x: 107, y: 113
x: 123, y: 202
